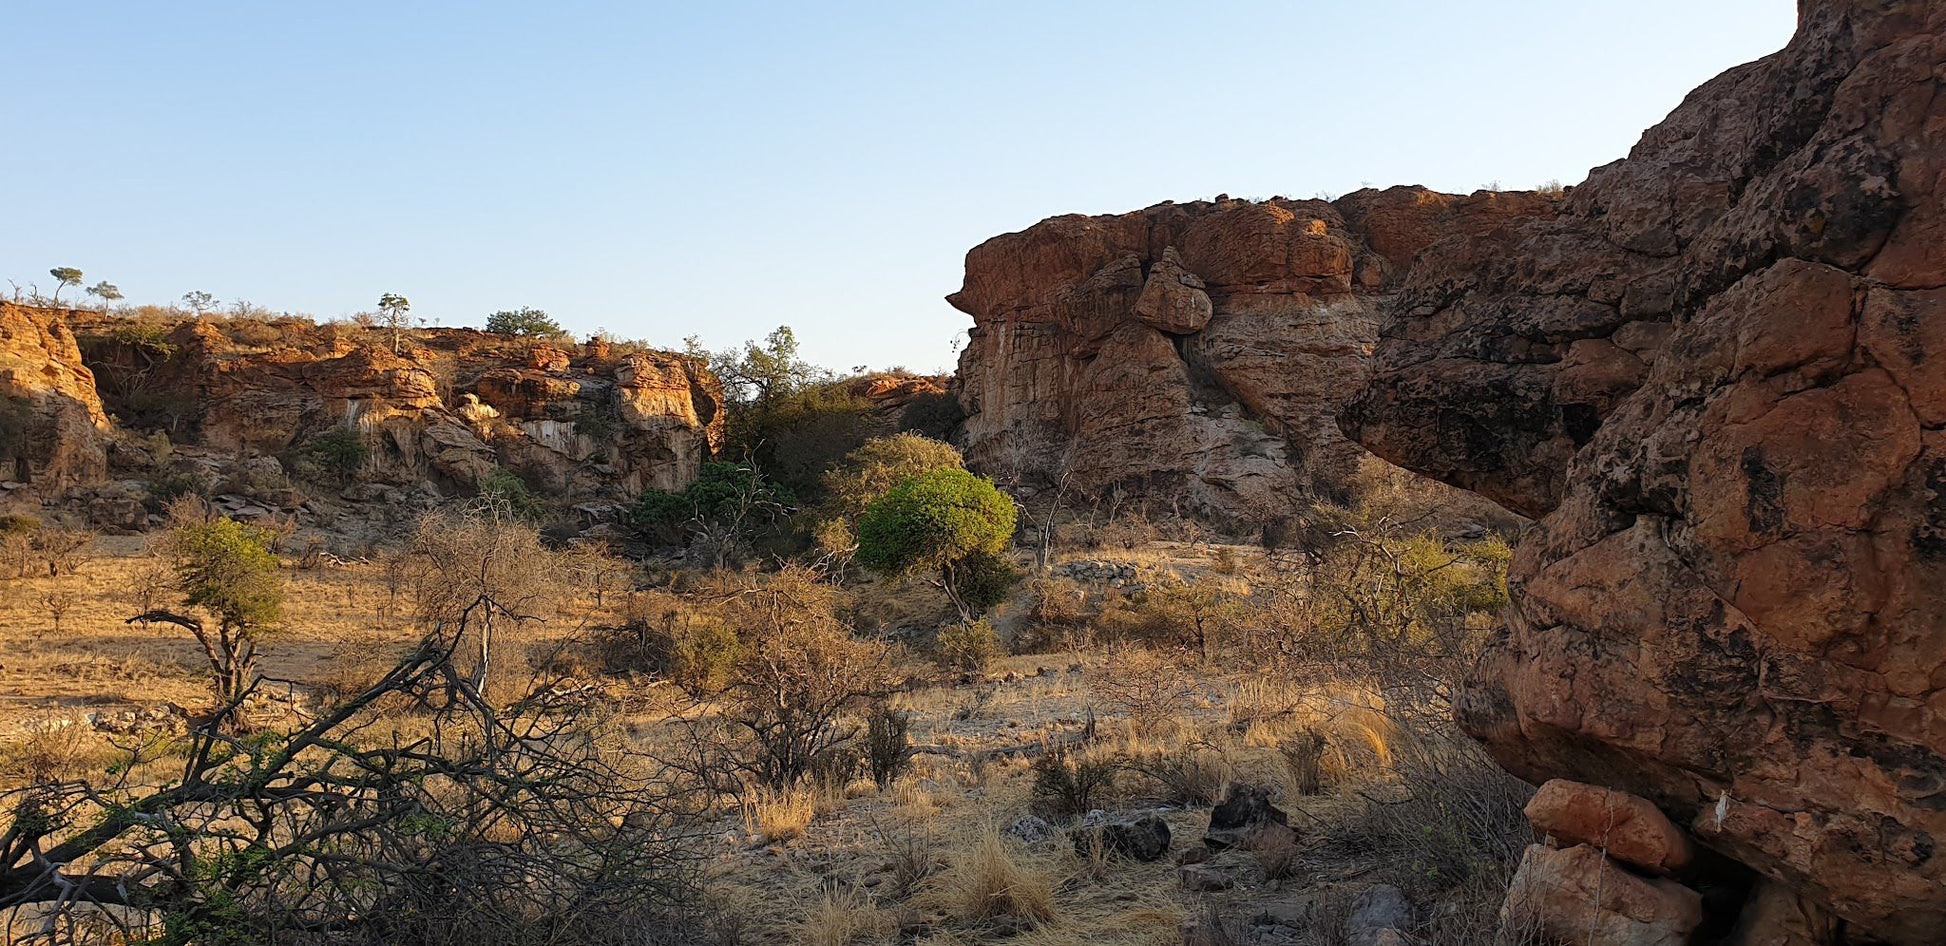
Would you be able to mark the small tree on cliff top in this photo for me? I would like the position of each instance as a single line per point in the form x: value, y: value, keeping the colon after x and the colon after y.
x: 64, y: 276
x: 946, y: 521
x: 531, y: 323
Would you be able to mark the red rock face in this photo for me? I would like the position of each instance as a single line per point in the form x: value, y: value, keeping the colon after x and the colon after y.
x: 1718, y: 377
x: 450, y: 406
x: 1194, y: 353
x: 53, y: 432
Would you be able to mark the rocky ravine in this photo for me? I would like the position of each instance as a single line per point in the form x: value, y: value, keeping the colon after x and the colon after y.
x: 1194, y: 354
x: 590, y: 424
x: 1717, y: 377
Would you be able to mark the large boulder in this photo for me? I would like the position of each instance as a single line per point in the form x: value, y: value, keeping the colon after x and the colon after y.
x: 1576, y: 895
x: 1714, y: 377
x: 1192, y: 353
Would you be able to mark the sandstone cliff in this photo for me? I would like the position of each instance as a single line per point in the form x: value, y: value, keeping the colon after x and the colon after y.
x: 1715, y: 376
x: 1195, y: 353
x: 581, y: 424
x: 52, y: 426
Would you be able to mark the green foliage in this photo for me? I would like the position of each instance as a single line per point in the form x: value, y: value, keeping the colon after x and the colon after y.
x: 727, y: 505
x: 888, y: 743
x: 969, y: 647
x: 946, y: 521
x: 506, y: 492
x: 340, y: 451
x: 106, y: 291
x: 532, y: 323
x: 226, y: 568
x: 198, y: 301
x: 937, y: 416
x: 869, y: 472
x: 149, y: 338
x: 932, y: 520
x: 64, y: 276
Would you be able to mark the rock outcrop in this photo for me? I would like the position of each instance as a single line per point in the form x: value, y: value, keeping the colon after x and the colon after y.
x: 1715, y: 376
x: 1195, y: 353
x: 53, y: 431
x: 584, y: 424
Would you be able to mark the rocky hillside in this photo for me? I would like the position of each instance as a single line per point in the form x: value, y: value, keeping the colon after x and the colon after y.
x: 1195, y: 354
x: 244, y: 403
x: 1714, y: 376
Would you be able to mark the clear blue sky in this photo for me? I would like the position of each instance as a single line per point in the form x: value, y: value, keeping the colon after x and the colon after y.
x: 662, y: 170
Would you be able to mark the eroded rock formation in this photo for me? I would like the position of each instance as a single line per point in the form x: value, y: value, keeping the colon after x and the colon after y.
x: 585, y: 424
x: 1716, y: 375
x: 53, y: 431
x: 1193, y: 353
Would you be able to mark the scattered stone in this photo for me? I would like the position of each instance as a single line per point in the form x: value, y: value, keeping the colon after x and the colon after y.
x: 1630, y: 828
x: 1245, y: 818
x: 1144, y: 839
x: 1030, y: 829
x: 1205, y: 878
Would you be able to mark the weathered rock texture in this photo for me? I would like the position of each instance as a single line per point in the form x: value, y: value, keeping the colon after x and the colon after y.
x: 587, y: 424
x: 53, y: 431
x: 1717, y: 377
x: 1194, y: 353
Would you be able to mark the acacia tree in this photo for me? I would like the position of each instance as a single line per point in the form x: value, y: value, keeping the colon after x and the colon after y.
x: 524, y: 321
x: 948, y: 522
x: 392, y: 313
x: 64, y: 276
x: 226, y: 569
x: 106, y: 291
x: 199, y: 301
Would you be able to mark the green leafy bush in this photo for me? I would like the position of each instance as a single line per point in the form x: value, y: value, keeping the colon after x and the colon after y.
x: 527, y: 322
x: 504, y: 490
x: 340, y: 451
x: 949, y: 522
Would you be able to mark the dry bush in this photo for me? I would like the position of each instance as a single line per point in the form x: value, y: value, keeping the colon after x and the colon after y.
x: 912, y: 854
x: 1303, y: 757
x: 457, y: 559
x: 888, y: 744
x: 28, y: 547
x: 1447, y: 826
x: 480, y: 826
x: 1067, y: 783
x: 51, y: 752
x: 681, y: 637
x: 1150, y: 688
x: 800, y: 676
x: 1198, y: 616
x: 1192, y: 774
x: 1125, y: 532
x: 968, y: 647
x: 990, y: 880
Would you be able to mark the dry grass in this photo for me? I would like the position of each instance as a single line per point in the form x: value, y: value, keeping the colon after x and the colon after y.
x: 780, y: 816
x: 843, y: 916
x: 990, y: 879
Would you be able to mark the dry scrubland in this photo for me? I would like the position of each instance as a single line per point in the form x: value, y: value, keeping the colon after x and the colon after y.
x: 1145, y: 677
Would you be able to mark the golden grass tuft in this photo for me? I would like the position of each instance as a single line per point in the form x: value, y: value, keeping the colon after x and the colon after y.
x: 779, y: 816
x: 841, y: 917
x: 991, y: 879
